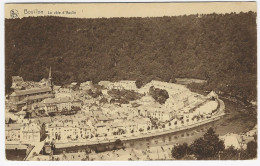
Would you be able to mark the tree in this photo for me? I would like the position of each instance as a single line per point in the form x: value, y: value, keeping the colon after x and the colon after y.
x: 207, y: 146
x: 189, y: 157
x: 160, y: 95
x: 229, y: 154
x: 252, y: 149
x: 139, y: 83
x: 118, y: 143
x: 180, y: 151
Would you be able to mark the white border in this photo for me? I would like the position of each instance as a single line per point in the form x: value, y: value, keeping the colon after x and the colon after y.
x: 101, y: 163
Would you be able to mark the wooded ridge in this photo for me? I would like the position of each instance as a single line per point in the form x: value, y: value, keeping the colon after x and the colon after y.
x: 218, y: 47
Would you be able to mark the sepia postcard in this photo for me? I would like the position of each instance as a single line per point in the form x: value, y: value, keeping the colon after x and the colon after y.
x: 130, y: 81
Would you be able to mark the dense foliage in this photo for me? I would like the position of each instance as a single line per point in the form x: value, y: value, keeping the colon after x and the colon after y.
x: 219, y: 48
x: 252, y: 149
x: 159, y: 95
x: 180, y: 151
x: 210, y: 147
x: 207, y: 146
x: 123, y: 96
x: 94, y: 94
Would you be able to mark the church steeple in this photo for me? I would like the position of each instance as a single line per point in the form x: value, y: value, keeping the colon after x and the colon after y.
x: 50, y: 80
x: 50, y: 73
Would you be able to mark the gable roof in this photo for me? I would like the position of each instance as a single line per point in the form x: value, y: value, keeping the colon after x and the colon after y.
x: 31, y: 91
x: 57, y: 100
x: 212, y: 94
x: 12, y: 126
x: 17, y: 79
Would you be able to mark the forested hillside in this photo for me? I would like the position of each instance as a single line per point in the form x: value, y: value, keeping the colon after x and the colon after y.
x: 219, y: 48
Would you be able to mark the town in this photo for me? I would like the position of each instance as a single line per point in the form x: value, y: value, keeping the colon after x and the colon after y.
x: 82, y: 113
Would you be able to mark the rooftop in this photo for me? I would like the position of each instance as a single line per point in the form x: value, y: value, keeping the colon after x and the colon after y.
x: 12, y: 126
x: 57, y: 100
x: 31, y: 91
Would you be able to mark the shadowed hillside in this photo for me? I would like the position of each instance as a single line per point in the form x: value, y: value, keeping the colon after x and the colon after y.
x: 219, y: 48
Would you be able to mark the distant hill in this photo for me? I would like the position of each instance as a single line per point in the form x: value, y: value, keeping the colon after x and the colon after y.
x: 218, y: 48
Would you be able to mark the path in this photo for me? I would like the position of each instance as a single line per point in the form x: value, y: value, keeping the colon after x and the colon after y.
x: 37, y: 148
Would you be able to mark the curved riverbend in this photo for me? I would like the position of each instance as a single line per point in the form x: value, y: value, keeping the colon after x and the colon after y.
x: 154, y: 133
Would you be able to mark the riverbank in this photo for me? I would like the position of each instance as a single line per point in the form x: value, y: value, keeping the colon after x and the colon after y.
x: 159, y: 132
x: 239, y: 119
x: 226, y: 96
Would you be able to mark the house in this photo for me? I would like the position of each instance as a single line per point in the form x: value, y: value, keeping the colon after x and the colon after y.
x: 85, y: 85
x: 128, y: 85
x: 101, y: 129
x: 12, y: 132
x: 69, y: 129
x: 56, y: 89
x: 60, y: 104
x: 147, y: 100
x: 105, y: 84
x: 21, y: 98
x: 63, y: 92
x: 17, y: 82
x: 56, y: 131
x: 161, y: 114
x: 212, y: 95
x: 44, y: 82
x: 117, y: 128
x: 143, y: 124
x: 131, y: 127
x: 102, y: 118
x: 252, y: 132
x: 11, y: 117
x: 26, y: 97
x: 38, y: 106
x: 30, y: 132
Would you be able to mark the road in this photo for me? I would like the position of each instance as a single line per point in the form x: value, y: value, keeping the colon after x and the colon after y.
x: 158, y: 132
x: 37, y: 148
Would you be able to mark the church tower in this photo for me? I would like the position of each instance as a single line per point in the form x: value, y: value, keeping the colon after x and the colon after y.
x: 50, y: 80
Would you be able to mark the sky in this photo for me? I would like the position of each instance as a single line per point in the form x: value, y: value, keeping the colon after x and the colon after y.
x: 109, y: 10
